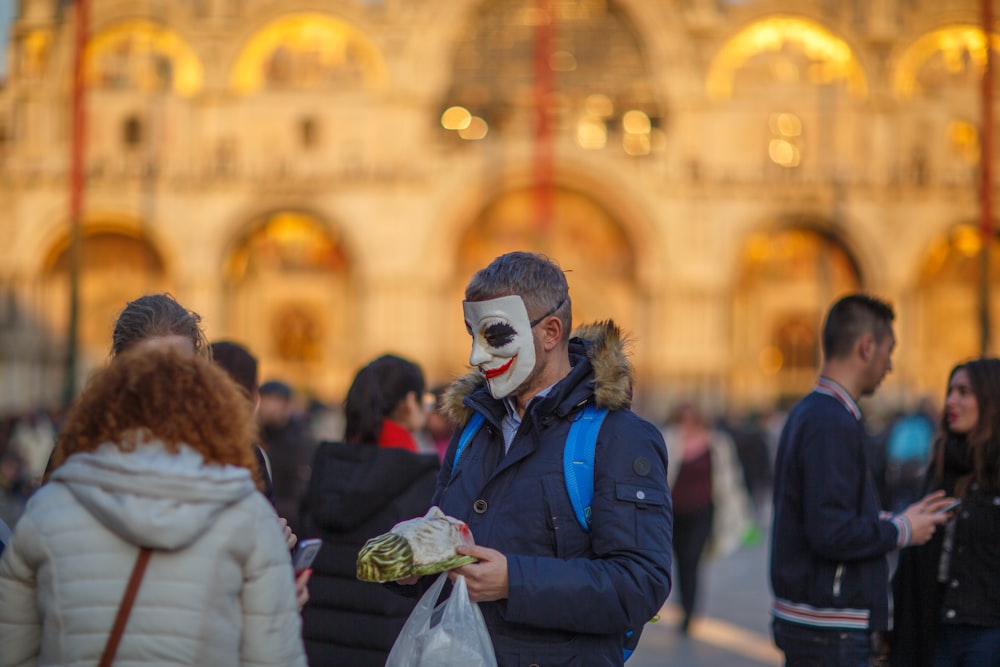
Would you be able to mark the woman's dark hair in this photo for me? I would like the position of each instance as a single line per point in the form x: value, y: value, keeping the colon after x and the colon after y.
x: 377, y: 390
x: 984, y: 439
x: 156, y: 315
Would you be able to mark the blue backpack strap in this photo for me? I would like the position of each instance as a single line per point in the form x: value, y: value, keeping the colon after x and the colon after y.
x: 471, y: 426
x: 578, y: 461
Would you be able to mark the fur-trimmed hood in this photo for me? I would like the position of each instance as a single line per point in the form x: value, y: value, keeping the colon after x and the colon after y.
x: 603, y: 344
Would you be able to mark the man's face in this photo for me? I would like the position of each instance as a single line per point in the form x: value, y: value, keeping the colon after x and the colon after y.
x: 503, y: 347
x: 881, y: 362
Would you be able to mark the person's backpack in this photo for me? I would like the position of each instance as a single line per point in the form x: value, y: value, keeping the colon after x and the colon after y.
x: 578, y: 471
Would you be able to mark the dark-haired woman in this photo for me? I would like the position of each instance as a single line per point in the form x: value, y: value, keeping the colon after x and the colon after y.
x: 155, y: 461
x: 359, y: 489
x: 948, y: 591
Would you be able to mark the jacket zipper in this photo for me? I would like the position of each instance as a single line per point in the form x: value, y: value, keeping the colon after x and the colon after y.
x: 837, y: 577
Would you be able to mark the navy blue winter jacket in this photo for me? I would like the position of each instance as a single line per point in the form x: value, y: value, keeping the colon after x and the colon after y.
x: 829, y: 546
x: 573, y: 595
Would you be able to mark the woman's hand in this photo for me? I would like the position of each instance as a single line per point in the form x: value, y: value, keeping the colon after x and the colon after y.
x: 301, y: 587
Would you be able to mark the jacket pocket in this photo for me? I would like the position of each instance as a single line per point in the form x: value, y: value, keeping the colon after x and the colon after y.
x: 640, y: 508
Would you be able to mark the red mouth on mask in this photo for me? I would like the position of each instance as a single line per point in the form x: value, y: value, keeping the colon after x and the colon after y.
x: 496, y: 372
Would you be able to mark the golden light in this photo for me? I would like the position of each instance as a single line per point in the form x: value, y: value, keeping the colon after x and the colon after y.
x: 456, y: 118
x: 636, y: 122
x: 770, y: 360
x: 967, y: 240
x: 964, y: 138
x: 785, y: 124
x: 759, y: 248
x: 954, y: 43
x: 772, y: 35
x: 476, y: 130
x: 591, y: 133
x: 636, y: 144
x: 783, y: 152
x: 328, y: 44
x: 133, y: 53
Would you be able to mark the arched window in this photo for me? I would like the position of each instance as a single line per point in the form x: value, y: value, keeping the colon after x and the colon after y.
x: 309, y: 51
x: 785, y: 51
x: 587, y: 241
x: 288, y: 296
x: 142, y: 56
x: 604, y: 92
x: 116, y: 266
x: 788, y: 279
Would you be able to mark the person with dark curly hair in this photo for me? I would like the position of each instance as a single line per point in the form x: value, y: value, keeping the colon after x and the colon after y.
x: 156, y: 461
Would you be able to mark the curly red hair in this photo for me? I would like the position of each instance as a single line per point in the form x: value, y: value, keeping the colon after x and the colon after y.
x: 164, y: 394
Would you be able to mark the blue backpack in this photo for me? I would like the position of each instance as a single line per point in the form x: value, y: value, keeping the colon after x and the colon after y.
x: 578, y: 470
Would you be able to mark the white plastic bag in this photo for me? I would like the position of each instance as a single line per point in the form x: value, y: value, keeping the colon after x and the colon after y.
x: 452, y: 634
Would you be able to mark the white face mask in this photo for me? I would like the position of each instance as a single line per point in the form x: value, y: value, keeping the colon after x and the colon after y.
x: 503, y: 347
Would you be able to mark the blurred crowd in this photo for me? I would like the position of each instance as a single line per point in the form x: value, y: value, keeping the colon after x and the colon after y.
x: 742, y: 446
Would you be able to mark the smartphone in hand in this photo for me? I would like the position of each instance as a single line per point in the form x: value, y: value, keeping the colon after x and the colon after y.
x: 953, y: 505
x: 305, y: 553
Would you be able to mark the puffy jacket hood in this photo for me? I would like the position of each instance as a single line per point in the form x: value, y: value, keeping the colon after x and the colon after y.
x: 151, y: 497
x: 358, y: 481
x: 601, y: 344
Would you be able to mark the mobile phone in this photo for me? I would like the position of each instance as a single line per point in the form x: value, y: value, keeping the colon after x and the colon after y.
x: 950, y: 506
x: 305, y: 553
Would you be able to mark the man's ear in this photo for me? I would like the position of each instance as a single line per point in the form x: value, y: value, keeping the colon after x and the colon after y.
x: 866, y: 346
x: 552, y: 332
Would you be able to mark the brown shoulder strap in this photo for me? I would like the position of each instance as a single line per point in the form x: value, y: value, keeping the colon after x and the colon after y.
x: 125, y: 608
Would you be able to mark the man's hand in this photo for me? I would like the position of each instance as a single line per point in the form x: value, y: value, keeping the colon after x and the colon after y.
x: 925, y: 516
x: 486, y: 580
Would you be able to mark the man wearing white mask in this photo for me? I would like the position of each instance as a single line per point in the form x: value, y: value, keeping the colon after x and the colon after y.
x: 552, y: 591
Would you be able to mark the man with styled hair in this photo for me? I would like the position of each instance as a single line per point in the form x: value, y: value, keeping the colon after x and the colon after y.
x: 831, y: 544
x: 552, y: 589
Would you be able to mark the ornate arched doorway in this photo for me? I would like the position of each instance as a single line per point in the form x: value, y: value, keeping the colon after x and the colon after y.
x: 948, y: 314
x: 116, y: 266
x: 587, y: 241
x: 288, y: 298
x: 788, y: 279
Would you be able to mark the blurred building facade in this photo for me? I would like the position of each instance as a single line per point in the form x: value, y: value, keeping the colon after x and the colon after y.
x: 320, y: 178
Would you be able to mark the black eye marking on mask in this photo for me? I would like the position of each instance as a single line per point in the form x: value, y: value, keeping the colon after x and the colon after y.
x: 499, y: 334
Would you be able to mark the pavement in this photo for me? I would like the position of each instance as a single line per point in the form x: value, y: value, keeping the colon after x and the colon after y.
x: 733, y: 626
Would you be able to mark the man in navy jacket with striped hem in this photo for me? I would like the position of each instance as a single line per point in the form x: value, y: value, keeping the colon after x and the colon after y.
x: 831, y: 544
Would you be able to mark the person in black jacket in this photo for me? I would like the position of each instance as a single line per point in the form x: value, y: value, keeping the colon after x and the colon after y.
x: 830, y: 541
x: 948, y: 591
x: 360, y: 489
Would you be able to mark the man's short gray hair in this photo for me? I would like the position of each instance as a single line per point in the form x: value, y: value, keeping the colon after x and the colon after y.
x: 535, y: 278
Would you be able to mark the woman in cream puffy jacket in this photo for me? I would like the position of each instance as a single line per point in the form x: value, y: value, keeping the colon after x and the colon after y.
x: 156, y: 452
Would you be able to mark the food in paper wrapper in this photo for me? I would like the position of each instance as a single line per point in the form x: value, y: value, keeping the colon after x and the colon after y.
x: 420, y: 546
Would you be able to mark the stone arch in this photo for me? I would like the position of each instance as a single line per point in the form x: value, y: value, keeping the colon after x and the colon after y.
x: 943, y: 69
x: 589, y: 241
x: 493, y: 71
x: 140, y: 55
x: 952, y: 55
x: 288, y: 295
x: 789, y: 276
x: 309, y: 51
x: 117, y: 263
x: 805, y: 50
x: 947, y: 318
